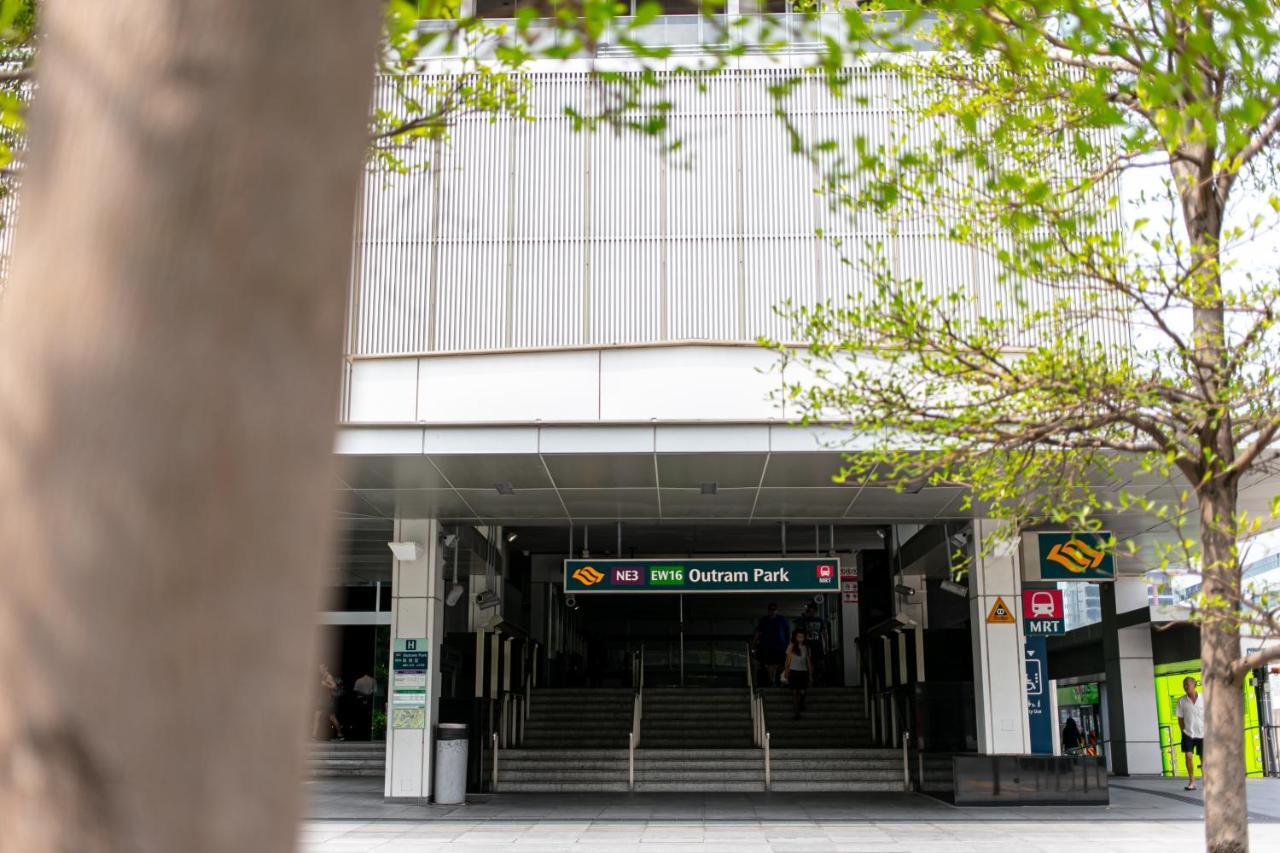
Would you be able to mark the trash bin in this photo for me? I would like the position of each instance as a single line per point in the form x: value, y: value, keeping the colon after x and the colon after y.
x: 451, y: 763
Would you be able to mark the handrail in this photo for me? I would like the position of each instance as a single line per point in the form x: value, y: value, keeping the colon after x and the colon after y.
x: 906, y: 761
x: 631, y: 761
x: 768, y: 774
x: 493, y: 781
x: 637, y: 715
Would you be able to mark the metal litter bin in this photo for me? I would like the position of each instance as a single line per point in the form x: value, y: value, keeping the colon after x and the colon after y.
x: 451, y: 763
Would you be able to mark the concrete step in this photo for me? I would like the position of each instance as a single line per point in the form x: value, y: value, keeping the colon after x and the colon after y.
x: 513, y: 787
x: 700, y: 787
x: 844, y: 786
x: 848, y: 775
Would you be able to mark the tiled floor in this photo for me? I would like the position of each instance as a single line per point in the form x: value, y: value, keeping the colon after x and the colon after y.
x: 1145, y: 815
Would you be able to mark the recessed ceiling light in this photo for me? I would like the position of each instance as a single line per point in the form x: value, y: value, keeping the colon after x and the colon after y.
x: 504, y: 488
x: 710, y: 488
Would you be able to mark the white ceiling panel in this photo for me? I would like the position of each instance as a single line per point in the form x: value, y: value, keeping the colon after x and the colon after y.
x: 884, y: 503
x: 414, y: 503
x: 611, y: 503
x: 523, y: 504
x: 391, y: 472
x: 728, y: 470
x: 803, y: 469
x: 602, y: 471
x: 691, y: 503
x: 523, y: 471
x: 804, y: 502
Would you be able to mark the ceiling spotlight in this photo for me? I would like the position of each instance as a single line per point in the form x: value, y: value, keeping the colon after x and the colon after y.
x: 710, y: 488
x: 454, y: 594
x: 405, y: 552
x: 955, y: 588
x: 880, y: 532
x: 505, y: 488
x: 904, y: 590
x: 512, y: 536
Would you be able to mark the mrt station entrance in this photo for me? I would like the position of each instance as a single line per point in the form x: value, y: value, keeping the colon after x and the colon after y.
x: 696, y: 639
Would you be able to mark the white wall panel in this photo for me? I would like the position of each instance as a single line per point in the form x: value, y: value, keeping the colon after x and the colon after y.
x: 524, y: 234
x: 384, y: 391
x: 687, y: 383
x: 547, y: 386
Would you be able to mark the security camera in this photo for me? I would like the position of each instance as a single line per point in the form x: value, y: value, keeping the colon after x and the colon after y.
x: 955, y: 588
x: 904, y: 590
x: 449, y: 539
x: 454, y: 594
x: 487, y: 600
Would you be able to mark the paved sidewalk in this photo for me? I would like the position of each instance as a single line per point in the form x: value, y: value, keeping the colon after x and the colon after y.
x: 1145, y: 815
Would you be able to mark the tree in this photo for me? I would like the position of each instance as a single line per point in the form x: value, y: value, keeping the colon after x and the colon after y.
x: 1098, y: 347
x: 167, y: 383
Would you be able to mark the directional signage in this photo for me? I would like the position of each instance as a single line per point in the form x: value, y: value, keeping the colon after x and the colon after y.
x: 409, y: 682
x: 1073, y: 557
x: 1038, y: 705
x: 1042, y: 612
x: 694, y: 576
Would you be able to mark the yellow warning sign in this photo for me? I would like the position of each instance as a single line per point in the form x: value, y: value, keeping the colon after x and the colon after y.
x: 1000, y: 614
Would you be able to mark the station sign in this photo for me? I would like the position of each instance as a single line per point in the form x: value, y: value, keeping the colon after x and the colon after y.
x: 702, y: 576
x: 1066, y: 556
x: 1042, y: 614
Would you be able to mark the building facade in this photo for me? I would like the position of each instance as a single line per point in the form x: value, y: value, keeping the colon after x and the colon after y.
x: 553, y: 355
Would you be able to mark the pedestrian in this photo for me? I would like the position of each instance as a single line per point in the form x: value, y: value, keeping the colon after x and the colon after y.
x: 326, y: 704
x: 1191, y: 722
x: 1070, y: 737
x: 815, y: 636
x: 797, y: 669
x: 770, y: 641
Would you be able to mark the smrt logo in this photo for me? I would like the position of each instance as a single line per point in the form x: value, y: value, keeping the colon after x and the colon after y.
x: 826, y: 573
x: 1075, y: 556
x: 588, y: 576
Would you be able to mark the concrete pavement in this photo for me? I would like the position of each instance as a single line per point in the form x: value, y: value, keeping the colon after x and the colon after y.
x: 1153, y: 815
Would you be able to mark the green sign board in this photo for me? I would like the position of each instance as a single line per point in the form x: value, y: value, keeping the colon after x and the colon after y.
x: 1075, y: 557
x: 696, y: 576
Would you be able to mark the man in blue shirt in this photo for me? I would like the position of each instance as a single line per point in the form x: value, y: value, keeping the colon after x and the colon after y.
x: 770, y: 641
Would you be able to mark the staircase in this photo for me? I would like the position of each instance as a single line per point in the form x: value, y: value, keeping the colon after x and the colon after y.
x: 699, y: 740
x: 833, y: 718
x: 696, y: 718
x: 334, y: 759
x: 574, y: 740
x: 579, y: 719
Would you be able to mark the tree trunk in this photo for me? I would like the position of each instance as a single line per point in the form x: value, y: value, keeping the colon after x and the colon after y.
x: 169, y: 351
x: 1225, y: 805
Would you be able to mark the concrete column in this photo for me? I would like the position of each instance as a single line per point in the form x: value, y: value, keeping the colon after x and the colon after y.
x: 417, y: 612
x: 1133, y: 725
x: 850, y: 620
x: 999, y: 670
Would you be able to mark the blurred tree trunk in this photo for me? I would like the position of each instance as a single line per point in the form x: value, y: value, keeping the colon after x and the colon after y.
x: 169, y: 366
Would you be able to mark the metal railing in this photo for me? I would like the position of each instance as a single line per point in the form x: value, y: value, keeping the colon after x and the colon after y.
x: 759, y: 726
x: 906, y: 761
x: 637, y: 715
x: 493, y: 778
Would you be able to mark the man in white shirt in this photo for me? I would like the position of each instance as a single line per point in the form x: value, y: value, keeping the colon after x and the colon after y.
x: 1191, y: 721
